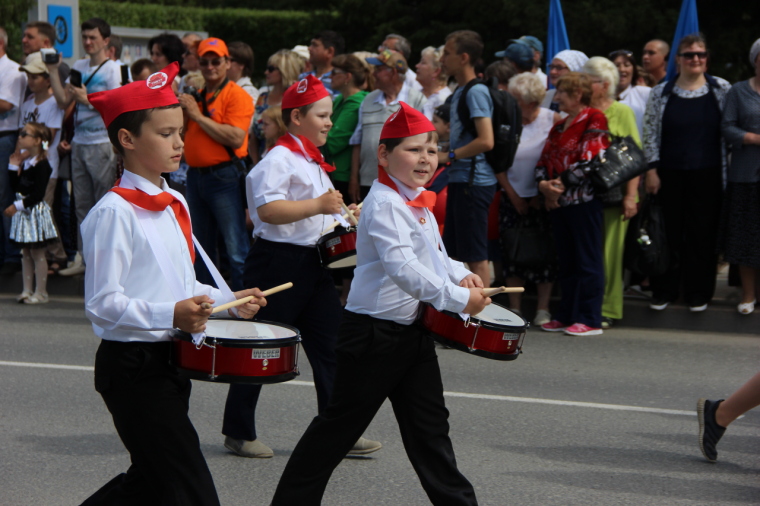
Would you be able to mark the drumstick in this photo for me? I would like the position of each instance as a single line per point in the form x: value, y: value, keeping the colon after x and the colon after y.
x: 488, y: 292
x: 345, y: 216
x: 346, y: 210
x: 243, y: 300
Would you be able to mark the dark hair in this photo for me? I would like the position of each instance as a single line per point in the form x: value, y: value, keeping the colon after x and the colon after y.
x: 353, y: 65
x: 304, y: 110
x: 115, y: 42
x: 443, y: 111
x: 100, y: 24
x: 242, y: 53
x: 171, y: 46
x: 391, y: 144
x: 403, y: 45
x: 693, y: 38
x: 331, y: 39
x: 576, y: 81
x: 628, y: 55
x: 469, y: 42
x: 142, y: 64
x: 45, y: 29
x: 503, y: 71
x: 132, y: 122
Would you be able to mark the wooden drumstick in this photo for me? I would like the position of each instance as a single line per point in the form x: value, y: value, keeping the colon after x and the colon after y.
x: 488, y: 292
x: 243, y: 300
x: 345, y: 216
x: 346, y: 210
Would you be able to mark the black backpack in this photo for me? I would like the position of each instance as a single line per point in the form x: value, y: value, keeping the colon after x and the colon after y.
x: 506, y: 121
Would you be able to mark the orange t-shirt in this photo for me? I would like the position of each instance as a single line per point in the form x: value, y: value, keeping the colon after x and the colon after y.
x: 233, y: 107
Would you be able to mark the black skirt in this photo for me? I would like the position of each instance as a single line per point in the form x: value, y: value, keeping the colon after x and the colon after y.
x: 740, y: 225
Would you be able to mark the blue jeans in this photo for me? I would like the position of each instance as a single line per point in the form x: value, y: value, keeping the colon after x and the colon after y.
x: 216, y: 207
x: 8, y: 252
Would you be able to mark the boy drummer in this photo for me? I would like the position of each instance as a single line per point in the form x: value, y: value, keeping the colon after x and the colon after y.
x: 289, y: 191
x: 381, y: 352
x: 131, y: 288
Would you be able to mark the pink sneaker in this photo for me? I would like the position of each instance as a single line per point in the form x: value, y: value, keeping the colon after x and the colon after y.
x: 580, y: 329
x: 554, y: 326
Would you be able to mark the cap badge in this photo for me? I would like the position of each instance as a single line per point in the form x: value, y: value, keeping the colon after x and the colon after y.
x: 303, y: 85
x: 157, y: 80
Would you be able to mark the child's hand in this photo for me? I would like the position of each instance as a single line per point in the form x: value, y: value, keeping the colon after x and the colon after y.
x: 249, y: 309
x: 190, y: 316
x: 16, y: 159
x: 330, y: 202
x: 356, y: 210
x: 10, y: 210
x: 477, y: 301
x: 472, y: 280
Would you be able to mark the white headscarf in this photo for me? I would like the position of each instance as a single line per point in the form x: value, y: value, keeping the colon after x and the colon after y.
x: 754, y: 51
x: 575, y: 60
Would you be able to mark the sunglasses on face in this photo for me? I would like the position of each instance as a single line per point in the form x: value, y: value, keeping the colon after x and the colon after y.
x: 690, y: 55
x: 271, y: 68
x: 214, y: 63
x: 24, y: 133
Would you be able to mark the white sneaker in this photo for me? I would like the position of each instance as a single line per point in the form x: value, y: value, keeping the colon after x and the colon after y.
x: 76, y: 267
x: 542, y: 316
x: 698, y: 309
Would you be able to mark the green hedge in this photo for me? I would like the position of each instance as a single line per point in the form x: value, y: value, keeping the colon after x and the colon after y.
x: 265, y: 31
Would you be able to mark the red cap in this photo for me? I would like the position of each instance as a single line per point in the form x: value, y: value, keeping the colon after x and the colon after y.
x: 304, y: 92
x: 156, y: 91
x: 213, y: 45
x: 406, y: 122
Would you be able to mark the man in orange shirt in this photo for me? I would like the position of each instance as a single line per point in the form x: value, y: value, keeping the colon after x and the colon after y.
x: 216, y: 141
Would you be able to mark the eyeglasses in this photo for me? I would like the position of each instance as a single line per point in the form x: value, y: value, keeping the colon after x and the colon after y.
x: 214, y: 63
x: 690, y: 55
x: 24, y: 133
x: 620, y: 52
x: 558, y: 68
x: 271, y: 68
x: 337, y: 72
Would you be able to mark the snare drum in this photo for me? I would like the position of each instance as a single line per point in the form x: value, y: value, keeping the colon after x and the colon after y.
x: 239, y: 351
x: 496, y: 332
x: 337, y: 250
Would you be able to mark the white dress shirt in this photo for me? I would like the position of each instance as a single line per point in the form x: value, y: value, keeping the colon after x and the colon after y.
x: 284, y: 175
x: 394, y: 270
x: 127, y: 297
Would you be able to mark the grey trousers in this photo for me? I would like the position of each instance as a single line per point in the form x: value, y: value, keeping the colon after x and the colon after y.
x: 93, y: 173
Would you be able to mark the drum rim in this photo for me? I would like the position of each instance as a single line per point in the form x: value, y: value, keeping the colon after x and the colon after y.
x: 499, y: 327
x: 339, y: 231
x: 279, y: 342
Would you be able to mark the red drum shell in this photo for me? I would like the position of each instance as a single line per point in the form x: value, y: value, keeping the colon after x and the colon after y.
x: 336, y: 246
x: 255, y: 360
x: 481, y: 338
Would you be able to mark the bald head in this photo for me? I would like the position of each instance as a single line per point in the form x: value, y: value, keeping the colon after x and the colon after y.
x: 655, y: 58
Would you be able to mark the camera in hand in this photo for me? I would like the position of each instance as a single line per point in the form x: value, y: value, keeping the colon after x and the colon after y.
x: 193, y: 92
x: 49, y: 55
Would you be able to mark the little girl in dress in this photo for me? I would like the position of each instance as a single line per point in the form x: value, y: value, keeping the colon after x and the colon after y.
x: 32, y: 226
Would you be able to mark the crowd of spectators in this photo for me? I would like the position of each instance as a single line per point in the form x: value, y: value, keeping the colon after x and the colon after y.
x: 701, y: 137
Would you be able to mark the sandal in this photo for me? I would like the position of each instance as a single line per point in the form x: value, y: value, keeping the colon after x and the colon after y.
x: 24, y: 295
x: 746, y: 307
x: 37, y: 298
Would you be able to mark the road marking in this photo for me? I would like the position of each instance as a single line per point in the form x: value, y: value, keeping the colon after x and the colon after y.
x: 490, y: 397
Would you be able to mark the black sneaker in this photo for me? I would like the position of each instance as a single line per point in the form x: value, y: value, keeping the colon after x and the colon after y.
x: 607, y: 322
x: 709, y: 430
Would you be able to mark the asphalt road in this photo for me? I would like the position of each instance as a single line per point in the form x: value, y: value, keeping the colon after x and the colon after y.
x: 599, y: 420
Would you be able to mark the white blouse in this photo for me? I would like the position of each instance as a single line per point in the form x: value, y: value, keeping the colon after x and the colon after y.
x: 522, y: 173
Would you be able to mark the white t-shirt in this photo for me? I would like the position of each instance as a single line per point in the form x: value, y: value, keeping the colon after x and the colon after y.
x: 542, y: 76
x: 89, y: 127
x: 49, y: 114
x: 522, y: 173
x: 636, y: 98
x: 434, y: 100
x: 12, y: 87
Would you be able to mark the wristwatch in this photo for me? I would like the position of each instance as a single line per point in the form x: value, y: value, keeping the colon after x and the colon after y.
x: 452, y: 156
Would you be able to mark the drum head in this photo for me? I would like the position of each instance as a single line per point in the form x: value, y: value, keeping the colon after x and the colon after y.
x: 343, y: 263
x: 499, y: 317
x: 237, y: 333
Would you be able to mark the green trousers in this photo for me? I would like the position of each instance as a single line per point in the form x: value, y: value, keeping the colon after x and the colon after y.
x: 614, y: 245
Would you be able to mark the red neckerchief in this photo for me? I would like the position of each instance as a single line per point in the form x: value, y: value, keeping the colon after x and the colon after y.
x: 309, y: 150
x: 159, y: 203
x: 424, y: 199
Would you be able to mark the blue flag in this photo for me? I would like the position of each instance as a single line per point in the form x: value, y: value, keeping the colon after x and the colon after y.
x: 688, y: 23
x: 556, y: 40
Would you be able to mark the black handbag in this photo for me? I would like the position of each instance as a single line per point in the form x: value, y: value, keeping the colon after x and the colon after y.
x: 529, y: 246
x: 646, y: 243
x: 622, y: 161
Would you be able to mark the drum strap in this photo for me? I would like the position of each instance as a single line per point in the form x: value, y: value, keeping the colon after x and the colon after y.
x: 167, y: 267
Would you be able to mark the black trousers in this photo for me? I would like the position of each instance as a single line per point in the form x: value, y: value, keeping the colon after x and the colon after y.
x: 691, y: 203
x: 149, y: 403
x: 378, y: 360
x: 312, y: 306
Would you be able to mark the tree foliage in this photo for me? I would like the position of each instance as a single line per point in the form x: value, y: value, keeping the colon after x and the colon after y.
x: 13, y: 14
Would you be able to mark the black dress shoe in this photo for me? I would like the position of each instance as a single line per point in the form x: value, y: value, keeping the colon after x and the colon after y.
x: 9, y: 268
x: 709, y: 430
